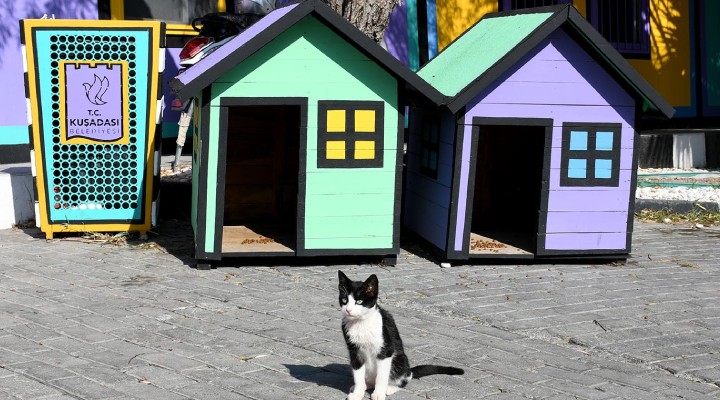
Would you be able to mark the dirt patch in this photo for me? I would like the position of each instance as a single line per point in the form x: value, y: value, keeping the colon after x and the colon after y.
x: 184, y: 174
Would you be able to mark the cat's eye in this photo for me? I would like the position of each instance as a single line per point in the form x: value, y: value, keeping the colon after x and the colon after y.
x: 358, y: 301
x: 343, y: 301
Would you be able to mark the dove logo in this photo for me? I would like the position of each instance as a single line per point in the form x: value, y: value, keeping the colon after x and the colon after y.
x: 95, y: 97
x: 95, y: 91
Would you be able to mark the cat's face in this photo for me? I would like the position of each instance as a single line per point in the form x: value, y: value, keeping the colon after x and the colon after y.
x: 357, y: 298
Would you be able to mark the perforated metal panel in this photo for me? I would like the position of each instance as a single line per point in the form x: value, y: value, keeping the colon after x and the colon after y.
x: 95, y: 92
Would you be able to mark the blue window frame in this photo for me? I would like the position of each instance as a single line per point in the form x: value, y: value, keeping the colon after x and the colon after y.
x: 590, y: 154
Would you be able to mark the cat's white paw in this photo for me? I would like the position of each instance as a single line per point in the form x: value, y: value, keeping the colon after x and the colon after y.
x: 378, y: 395
x: 355, y: 396
x: 392, y: 390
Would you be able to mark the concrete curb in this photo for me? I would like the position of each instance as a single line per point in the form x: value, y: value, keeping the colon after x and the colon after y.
x: 678, y: 206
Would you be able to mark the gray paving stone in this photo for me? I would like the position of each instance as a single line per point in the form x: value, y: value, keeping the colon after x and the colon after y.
x: 469, y: 392
x: 220, y: 378
x: 68, y: 345
x: 236, y: 364
x: 25, y: 388
x: 511, y: 371
x: 677, y: 393
x: 158, y: 376
x: 85, y: 388
x: 59, y: 359
x: 519, y: 387
x: 33, y: 332
x: 142, y: 390
x: 268, y: 392
x: 171, y: 361
x: 20, y: 345
x: 577, y: 390
x: 571, y: 376
x: 615, y: 373
x: 108, y: 358
x: 41, y: 371
x: 99, y: 322
x: 134, y: 323
x: 203, y: 390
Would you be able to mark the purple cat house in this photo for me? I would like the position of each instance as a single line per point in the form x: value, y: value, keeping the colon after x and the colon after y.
x: 532, y: 154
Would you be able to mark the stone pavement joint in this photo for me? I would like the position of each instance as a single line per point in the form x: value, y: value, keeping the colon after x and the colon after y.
x: 100, y: 321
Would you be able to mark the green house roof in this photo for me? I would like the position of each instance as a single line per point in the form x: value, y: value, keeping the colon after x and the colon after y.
x: 495, y: 43
x: 490, y: 39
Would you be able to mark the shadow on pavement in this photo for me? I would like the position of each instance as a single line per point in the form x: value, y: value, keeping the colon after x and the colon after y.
x: 173, y: 236
x: 336, y: 376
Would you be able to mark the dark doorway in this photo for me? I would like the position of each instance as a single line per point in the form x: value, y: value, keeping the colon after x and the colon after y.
x: 261, y: 179
x: 508, y: 189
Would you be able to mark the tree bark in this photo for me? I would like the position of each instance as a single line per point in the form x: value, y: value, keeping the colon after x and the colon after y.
x: 370, y: 16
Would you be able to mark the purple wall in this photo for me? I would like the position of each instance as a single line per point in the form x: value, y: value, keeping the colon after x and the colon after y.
x: 170, y: 117
x: 559, y: 80
x: 396, y: 34
x: 13, y: 118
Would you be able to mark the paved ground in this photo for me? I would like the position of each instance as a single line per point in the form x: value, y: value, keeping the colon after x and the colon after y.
x: 100, y: 321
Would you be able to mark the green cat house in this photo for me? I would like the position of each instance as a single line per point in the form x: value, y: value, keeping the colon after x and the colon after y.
x: 299, y: 144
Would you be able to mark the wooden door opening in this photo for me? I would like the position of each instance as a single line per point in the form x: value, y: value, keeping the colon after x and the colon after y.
x: 261, y: 179
x: 508, y: 189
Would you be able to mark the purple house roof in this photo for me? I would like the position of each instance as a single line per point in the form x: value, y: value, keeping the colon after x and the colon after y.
x: 248, y: 42
x: 494, y: 44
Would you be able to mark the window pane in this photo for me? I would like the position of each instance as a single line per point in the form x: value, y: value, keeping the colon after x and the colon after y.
x: 577, y: 168
x: 364, y: 121
x: 364, y: 150
x: 578, y: 140
x: 336, y: 120
x: 603, y: 169
x: 335, y: 150
x: 604, y: 141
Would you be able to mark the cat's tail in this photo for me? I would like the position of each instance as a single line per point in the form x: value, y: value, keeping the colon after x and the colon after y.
x: 424, y: 370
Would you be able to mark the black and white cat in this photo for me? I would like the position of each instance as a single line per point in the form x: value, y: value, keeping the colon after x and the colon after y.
x: 376, y: 350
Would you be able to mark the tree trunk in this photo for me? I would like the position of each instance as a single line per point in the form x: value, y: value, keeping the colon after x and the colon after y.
x: 370, y: 16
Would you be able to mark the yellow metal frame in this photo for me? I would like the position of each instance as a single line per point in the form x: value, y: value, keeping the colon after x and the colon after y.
x: 50, y: 229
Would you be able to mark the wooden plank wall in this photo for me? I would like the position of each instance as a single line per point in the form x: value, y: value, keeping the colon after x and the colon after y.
x: 344, y: 208
x: 559, y: 80
x: 427, y: 200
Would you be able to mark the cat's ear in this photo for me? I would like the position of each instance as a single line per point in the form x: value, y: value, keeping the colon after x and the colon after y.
x: 370, y: 286
x: 344, y: 281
